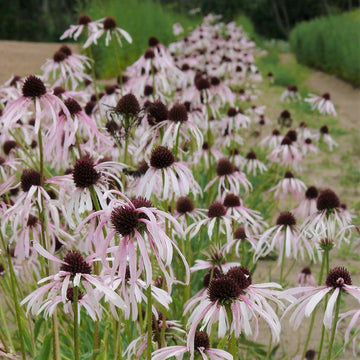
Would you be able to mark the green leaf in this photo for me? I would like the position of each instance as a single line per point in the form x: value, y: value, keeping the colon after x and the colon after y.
x: 45, y: 351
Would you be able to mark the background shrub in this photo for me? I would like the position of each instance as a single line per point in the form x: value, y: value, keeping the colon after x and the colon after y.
x: 331, y: 44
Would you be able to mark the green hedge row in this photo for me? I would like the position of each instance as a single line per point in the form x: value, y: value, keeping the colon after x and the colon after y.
x: 331, y: 44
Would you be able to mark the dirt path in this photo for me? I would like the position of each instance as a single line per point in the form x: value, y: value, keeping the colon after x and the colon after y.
x: 25, y: 58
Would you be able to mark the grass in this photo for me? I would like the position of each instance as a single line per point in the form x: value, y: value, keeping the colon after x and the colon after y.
x: 142, y: 19
x: 331, y: 44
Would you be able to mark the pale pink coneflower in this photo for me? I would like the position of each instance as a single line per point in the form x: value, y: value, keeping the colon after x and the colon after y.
x: 234, y: 120
x: 84, y: 22
x: 185, y: 211
x: 75, y: 193
x: 7, y: 166
x: 286, y: 238
x: 251, y: 219
x: 323, y: 135
x: 173, y: 332
x: 253, y: 165
x: 290, y: 94
x: 309, y: 355
x: 207, y: 154
x: 32, y: 194
x: 286, y: 154
x: 222, y: 94
x: 177, y: 29
x: 272, y: 141
x: 352, y: 329
x: 305, y: 277
x: 216, y: 215
x: 307, y: 205
x: 111, y: 30
x: 33, y: 93
x: 289, y: 186
x: 241, y: 236
x: 229, y: 178
x: 175, y: 129
x: 32, y: 232
x: 338, y: 280
x: 329, y: 220
x: 74, y: 271
x: 140, y: 226
x: 322, y: 103
x: 133, y: 292
x: 64, y: 133
x: 65, y: 69
x: 201, y: 345
x: 246, y: 302
x: 236, y: 158
x: 303, y: 131
x: 166, y: 178
x: 307, y: 146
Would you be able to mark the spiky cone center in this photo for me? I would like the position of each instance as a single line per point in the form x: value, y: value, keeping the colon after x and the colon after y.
x: 8, y: 145
x: 241, y: 275
x: 142, y: 167
x: 215, y: 81
x: 66, y: 50
x: 286, y: 218
x: 148, y: 90
x: 202, y: 84
x: 216, y: 210
x: 30, y: 177
x: 184, y: 205
x: 153, y: 41
x: 112, y: 127
x: 338, y: 277
x: 288, y: 175
x: 285, y: 114
x: 240, y: 233
x: 327, y: 244
x: 310, y: 355
x: 326, y: 96
x: 89, y: 107
x: 311, y: 193
x: 73, y: 106
x: 201, y: 340
x: 59, y: 56
x: 178, y: 113
x: 140, y: 201
x: 84, y: 19
x: 161, y: 158
x: 58, y: 91
x: 149, y: 54
x: 157, y: 112
x: 109, y: 23
x: 124, y: 220
x: 224, y: 167
x: 286, y: 141
x: 223, y: 289
x: 128, y: 105
x: 276, y: 132
x: 308, y: 141
x: 251, y: 156
x: 32, y: 220
x: 70, y: 294
x: 33, y: 87
x: 75, y: 264
x: 327, y: 200
x: 84, y: 173
x: 324, y: 129
x: 231, y: 200
x: 306, y: 270
x: 231, y: 112
x: 110, y: 89
x: 292, y: 135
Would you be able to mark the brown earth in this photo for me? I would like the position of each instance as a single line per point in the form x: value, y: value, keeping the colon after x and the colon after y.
x: 25, y: 58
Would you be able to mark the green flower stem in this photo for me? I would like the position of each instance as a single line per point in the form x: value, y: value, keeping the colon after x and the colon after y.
x: 56, y: 342
x: 232, y: 341
x: 17, y: 306
x: 149, y: 323
x: 76, y: 324
x: 314, y: 312
x: 335, y: 320
x: 346, y: 344
x: 326, y: 258
x: 6, y: 331
x: 176, y: 149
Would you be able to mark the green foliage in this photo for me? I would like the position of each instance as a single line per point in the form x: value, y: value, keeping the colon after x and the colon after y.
x: 331, y: 44
x: 142, y: 19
